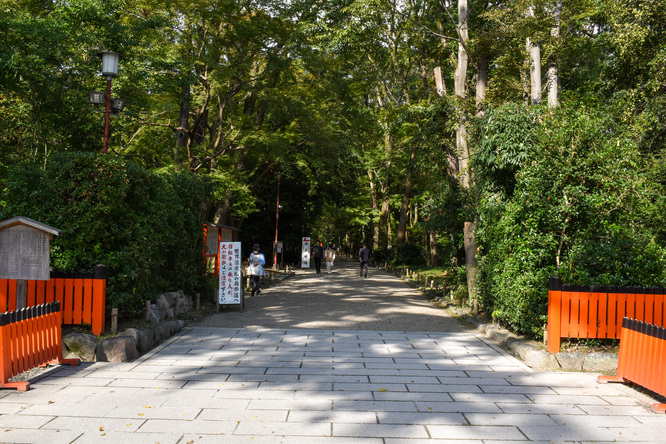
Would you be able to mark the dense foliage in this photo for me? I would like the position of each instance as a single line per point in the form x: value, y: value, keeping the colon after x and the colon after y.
x: 146, y: 227
x: 568, y: 197
x: 338, y: 99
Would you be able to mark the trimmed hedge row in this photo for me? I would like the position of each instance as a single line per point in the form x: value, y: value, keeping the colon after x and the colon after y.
x: 145, y: 226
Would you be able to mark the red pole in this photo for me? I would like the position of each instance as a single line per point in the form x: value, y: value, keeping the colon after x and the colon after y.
x: 107, y: 114
x: 277, y: 216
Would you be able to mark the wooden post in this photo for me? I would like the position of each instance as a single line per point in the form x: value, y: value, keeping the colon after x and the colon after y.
x: 198, y: 302
x: 114, y: 321
x: 21, y: 294
x: 146, y: 311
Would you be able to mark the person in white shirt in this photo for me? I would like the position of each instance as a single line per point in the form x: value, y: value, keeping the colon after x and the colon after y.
x: 330, y: 257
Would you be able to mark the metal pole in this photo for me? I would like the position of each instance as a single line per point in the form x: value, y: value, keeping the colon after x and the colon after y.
x: 107, y: 114
x: 277, y: 216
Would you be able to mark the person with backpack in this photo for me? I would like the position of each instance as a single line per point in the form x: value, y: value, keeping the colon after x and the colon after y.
x: 330, y: 257
x: 256, y: 268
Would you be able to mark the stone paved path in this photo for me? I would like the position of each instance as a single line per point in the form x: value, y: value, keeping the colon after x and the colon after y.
x: 259, y: 384
x: 339, y: 301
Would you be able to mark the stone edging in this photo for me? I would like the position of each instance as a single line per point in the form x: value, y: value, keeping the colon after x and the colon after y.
x: 539, y: 359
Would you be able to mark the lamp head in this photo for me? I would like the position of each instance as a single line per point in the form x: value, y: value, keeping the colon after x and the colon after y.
x: 110, y: 61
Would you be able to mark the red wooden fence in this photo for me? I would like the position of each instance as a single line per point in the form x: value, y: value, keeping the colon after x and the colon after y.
x: 29, y: 338
x: 82, y: 296
x: 642, y: 358
x: 597, y: 312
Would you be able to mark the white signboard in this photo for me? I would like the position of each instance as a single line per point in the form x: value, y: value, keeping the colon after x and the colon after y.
x: 24, y: 253
x: 231, y: 288
x: 305, y: 253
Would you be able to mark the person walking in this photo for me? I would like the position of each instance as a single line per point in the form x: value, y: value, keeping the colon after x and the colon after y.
x: 364, y: 258
x: 330, y: 257
x: 256, y: 268
x: 318, y: 255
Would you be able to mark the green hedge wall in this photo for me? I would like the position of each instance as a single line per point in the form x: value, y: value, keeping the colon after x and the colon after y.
x: 145, y: 226
x: 561, y: 192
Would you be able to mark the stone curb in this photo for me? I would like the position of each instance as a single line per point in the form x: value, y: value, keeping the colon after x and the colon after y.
x: 533, y: 356
x: 539, y: 359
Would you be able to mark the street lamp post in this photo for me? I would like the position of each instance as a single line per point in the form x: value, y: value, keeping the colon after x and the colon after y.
x: 110, y: 62
x: 277, y: 217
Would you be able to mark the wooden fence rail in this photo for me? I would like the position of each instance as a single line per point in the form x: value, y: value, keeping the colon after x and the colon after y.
x: 597, y: 312
x: 82, y: 296
x: 30, y: 337
x: 642, y: 358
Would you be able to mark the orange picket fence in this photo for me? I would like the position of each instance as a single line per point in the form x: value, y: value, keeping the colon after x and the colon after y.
x: 597, y: 312
x: 642, y: 358
x: 82, y: 296
x: 30, y: 337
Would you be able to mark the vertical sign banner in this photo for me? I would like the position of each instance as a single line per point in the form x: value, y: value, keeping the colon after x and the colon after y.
x: 305, y: 253
x: 231, y: 288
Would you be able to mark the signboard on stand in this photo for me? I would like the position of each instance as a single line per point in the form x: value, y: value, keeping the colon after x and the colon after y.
x: 305, y: 253
x: 231, y: 287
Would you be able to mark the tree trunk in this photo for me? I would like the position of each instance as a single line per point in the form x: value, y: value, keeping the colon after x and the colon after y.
x: 434, y: 256
x: 553, y: 76
x: 182, y: 135
x: 471, y: 264
x: 461, y: 144
x: 460, y: 90
x: 481, y: 83
x: 406, y: 195
x: 375, y: 210
x: 535, y: 71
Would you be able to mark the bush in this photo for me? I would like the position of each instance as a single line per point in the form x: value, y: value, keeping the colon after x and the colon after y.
x: 146, y: 227
x: 568, y: 201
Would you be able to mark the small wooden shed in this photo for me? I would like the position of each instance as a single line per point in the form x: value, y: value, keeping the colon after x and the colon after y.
x: 25, y: 253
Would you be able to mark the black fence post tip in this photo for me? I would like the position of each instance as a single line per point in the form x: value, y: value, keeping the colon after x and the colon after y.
x: 555, y: 283
x: 99, y: 271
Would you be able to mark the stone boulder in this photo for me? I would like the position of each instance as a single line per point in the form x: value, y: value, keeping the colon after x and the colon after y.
x: 169, y: 305
x: 80, y: 345
x: 601, y: 362
x: 117, y: 349
x: 571, y: 361
x: 144, y: 338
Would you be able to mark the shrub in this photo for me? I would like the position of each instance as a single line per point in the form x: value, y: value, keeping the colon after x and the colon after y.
x: 568, y: 201
x: 146, y: 227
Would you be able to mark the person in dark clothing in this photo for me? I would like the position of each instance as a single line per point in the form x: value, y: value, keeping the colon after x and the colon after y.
x: 364, y: 258
x: 318, y: 254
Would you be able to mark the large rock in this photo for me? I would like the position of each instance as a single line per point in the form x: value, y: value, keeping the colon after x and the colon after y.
x: 600, y: 362
x: 571, y: 361
x: 145, y: 339
x: 540, y: 360
x: 117, y: 349
x: 82, y: 345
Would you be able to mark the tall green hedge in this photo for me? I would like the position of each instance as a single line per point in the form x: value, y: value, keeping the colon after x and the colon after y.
x: 561, y: 192
x: 145, y: 226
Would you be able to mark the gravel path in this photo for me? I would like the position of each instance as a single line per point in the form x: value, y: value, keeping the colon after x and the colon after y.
x: 339, y: 301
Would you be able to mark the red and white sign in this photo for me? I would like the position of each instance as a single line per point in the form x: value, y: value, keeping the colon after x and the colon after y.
x: 231, y: 288
x: 305, y: 253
